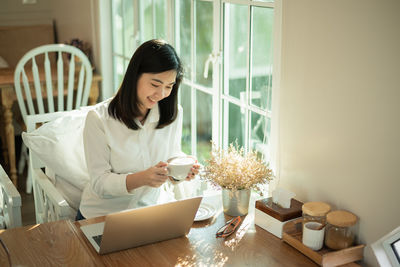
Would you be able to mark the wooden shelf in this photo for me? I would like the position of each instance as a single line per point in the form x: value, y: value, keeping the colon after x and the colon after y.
x: 292, y: 234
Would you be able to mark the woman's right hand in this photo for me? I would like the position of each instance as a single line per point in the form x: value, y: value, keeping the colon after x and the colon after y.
x: 154, y: 176
x: 157, y: 175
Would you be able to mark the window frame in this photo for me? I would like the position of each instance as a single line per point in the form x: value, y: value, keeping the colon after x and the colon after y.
x: 384, y: 253
x: 218, y: 96
x: 393, y: 256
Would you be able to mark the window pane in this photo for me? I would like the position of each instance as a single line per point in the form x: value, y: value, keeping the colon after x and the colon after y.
x: 119, y: 71
x: 257, y: 132
x: 396, y: 249
x: 233, y: 124
x: 185, y: 36
x: 235, y: 49
x: 128, y: 28
x: 262, y: 57
x: 147, y: 27
x: 203, y: 41
x: 160, y: 19
x: 185, y: 93
x: 117, y: 27
x: 267, y: 1
x: 204, y: 125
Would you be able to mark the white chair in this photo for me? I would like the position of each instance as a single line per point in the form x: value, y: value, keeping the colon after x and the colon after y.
x: 10, y: 203
x: 77, y: 85
x: 50, y: 205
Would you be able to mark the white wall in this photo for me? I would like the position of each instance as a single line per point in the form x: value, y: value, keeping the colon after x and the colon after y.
x: 340, y: 111
x: 13, y: 12
x: 77, y: 19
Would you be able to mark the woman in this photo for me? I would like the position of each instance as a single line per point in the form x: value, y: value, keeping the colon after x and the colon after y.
x: 129, y: 139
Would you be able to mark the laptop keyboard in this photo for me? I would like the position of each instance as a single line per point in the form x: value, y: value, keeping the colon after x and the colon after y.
x: 97, y: 238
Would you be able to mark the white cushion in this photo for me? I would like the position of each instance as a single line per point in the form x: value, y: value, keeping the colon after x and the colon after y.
x: 59, y: 145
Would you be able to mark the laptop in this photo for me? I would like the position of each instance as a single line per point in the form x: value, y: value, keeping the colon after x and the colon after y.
x: 141, y: 226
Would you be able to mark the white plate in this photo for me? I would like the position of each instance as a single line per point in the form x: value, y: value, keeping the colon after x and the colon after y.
x: 204, y: 212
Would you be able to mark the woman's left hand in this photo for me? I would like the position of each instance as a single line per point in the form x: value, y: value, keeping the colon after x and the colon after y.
x: 193, y: 171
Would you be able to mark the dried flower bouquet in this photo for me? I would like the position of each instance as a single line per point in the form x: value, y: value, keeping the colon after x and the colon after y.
x: 233, y: 170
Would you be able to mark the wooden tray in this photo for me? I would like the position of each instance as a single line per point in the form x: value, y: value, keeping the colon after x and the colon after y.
x: 292, y: 234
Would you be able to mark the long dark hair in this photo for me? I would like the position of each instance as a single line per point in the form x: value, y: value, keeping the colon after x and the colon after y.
x: 153, y: 56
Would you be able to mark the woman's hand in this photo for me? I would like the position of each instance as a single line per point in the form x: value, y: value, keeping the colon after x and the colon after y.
x: 154, y: 176
x: 194, y: 170
x: 157, y: 175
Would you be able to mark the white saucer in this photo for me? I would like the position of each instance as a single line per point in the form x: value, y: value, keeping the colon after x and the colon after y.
x: 204, y: 212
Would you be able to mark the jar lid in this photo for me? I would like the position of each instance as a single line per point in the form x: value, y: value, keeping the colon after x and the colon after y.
x: 341, y: 218
x: 316, y: 208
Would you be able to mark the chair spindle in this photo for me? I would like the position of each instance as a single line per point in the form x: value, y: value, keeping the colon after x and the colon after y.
x: 60, y: 80
x: 71, y: 81
x: 38, y: 88
x: 27, y: 90
x: 49, y: 84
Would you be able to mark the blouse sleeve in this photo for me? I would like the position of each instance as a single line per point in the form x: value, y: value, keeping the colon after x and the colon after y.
x: 103, y: 181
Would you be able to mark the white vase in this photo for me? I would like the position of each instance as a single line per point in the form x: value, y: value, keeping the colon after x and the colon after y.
x: 236, y: 203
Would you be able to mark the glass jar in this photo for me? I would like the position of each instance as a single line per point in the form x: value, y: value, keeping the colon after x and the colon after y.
x: 339, y: 233
x: 315, y: 212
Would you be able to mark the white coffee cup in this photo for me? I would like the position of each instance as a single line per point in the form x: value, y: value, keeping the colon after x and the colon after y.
x: 180, y: 167
x: 312, y: 237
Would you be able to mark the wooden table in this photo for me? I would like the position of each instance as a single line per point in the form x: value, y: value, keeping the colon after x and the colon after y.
x: 7, y: 99
x: 63, y: 243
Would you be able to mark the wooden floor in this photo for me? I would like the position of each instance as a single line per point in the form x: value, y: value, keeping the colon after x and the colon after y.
x: 28, y: 206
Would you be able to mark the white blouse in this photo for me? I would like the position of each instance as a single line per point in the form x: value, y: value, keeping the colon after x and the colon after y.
x: 113, y: 151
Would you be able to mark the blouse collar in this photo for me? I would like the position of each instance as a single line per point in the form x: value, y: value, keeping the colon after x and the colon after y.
x: 153, y: 116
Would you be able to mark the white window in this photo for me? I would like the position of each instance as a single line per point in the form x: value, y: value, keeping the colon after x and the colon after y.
x: 387, y: 249
x: 229, y: 50
x: 392, y: 249
x: 134, y: 22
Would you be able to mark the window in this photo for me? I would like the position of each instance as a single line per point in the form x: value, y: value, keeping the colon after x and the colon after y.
x: 387, y: 249
x: 392, y: 248
x: 122, y: 36
x: 134, y: 22
x: 227, y: 48
x: 195, y: 44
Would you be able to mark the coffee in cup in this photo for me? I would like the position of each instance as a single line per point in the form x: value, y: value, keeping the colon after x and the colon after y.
x: 180, y: 167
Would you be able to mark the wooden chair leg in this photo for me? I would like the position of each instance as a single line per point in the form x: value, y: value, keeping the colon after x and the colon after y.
x: 29, y: 185
x: 23, y: 159
x: 9, y: 131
